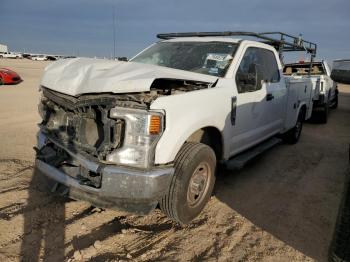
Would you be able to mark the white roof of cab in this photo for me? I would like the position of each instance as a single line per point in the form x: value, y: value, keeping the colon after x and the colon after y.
x: 203, y: 39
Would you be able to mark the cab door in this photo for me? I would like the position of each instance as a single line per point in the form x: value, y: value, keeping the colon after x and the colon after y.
x: 276, y: 91
x: 259, y: 103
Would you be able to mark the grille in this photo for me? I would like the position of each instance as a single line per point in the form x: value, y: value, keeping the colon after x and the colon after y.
x: 82, y: 124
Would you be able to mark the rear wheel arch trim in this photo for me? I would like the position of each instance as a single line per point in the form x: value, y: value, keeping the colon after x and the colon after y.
x: 303, y: 108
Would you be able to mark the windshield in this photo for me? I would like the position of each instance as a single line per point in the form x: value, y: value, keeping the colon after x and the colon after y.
x: 210, y: 58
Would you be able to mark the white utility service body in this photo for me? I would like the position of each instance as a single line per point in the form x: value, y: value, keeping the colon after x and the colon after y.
x: 325, y: 90
x: 324, y: 93
x: 250, y: 103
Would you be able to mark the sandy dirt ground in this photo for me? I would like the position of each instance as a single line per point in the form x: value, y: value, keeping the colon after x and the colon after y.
x: 282, y: 207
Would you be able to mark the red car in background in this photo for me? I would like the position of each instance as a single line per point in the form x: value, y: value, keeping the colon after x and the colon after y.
x: 8, y: 76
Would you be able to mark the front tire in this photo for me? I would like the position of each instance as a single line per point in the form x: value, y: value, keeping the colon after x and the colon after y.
x: 192, y: 183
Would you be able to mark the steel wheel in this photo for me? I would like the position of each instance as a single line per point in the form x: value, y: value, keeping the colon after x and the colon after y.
x: 192, y: 183
x: 199, y: 184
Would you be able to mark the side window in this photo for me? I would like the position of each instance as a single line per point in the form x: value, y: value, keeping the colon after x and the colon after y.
x: 248, y: 76
x: 257, y: 66
x: 270, y: 69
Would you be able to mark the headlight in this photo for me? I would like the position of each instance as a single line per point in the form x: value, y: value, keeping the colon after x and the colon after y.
x: 142, y: 132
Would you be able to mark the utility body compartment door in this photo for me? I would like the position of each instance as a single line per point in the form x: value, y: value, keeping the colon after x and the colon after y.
x: 299, y: 92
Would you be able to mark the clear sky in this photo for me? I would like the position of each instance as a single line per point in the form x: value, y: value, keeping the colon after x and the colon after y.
x: 85, y: 27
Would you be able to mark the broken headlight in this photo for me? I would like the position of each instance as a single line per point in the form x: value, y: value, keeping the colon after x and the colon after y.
x: 142, y: 132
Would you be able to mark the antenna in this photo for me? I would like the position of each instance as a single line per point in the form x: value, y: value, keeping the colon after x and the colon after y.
x: 114, y: 35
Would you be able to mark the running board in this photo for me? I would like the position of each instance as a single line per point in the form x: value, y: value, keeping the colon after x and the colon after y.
x: 239, y: 161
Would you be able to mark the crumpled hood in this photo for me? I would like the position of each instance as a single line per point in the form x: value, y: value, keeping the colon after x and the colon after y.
x: 85, y: 75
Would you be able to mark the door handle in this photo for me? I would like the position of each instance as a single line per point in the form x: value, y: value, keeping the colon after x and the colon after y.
x: 233, y: 110
x: 269, y: 97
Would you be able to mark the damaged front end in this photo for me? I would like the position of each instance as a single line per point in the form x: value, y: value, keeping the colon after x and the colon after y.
x: 92, y: 145
x: 102, y: 146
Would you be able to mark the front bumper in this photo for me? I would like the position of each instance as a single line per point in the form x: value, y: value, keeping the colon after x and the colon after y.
x: 121, y: 188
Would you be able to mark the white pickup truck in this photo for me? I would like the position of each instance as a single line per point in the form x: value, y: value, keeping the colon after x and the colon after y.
x: 147, y: 132
x: 10, y: 55
x: 324, y: 90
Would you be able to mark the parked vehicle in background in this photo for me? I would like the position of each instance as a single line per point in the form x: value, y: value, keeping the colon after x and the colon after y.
x: 123, y: 58
x: 341, y: 71
x: 8, y: 76
x: 132, y: 135
x: 3, y: 48
x: 26, y: 55
x: 324, y: 89
x: 51, y: 58
x: 68, y: 57
x: 11, y: 55
x: 39, y: 58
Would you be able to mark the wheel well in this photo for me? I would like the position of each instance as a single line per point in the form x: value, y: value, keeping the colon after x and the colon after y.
x: 210, y: 136
x: 303, y: 109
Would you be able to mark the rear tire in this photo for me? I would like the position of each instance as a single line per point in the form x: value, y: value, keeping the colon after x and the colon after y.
x: 324, y: 113
x: 335, y: 102
x: 1, y: 81
x: 192, y: 183
x: 292, y: 136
